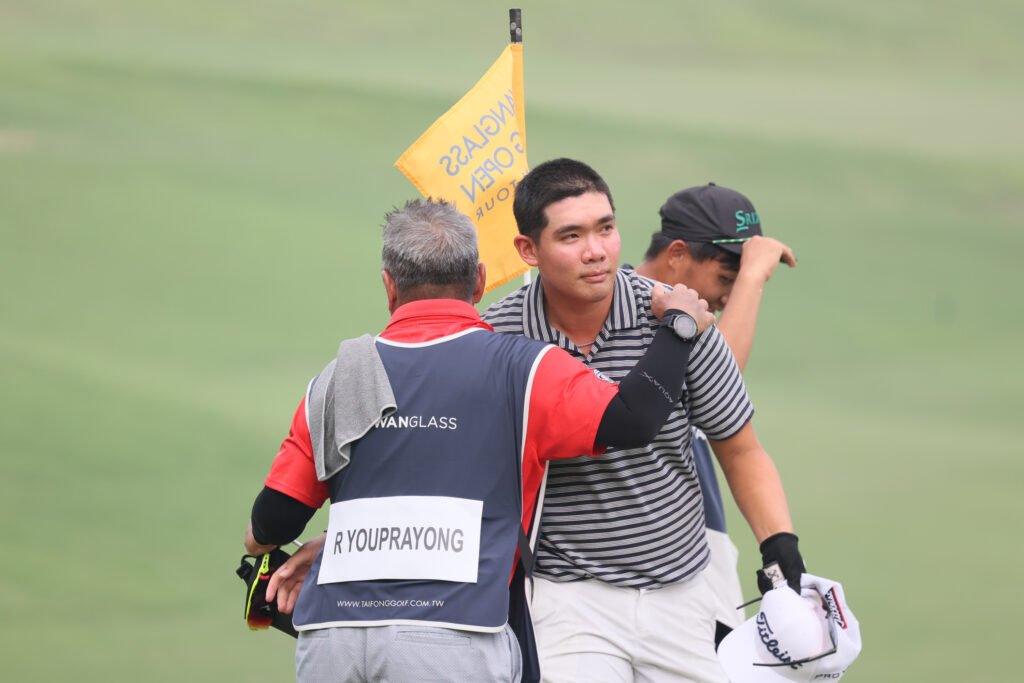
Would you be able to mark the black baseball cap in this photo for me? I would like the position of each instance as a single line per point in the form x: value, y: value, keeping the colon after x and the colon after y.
x: 710, y: 213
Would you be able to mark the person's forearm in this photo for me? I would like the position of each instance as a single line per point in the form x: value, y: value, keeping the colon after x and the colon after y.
x: 738, y: 323
x: 276, y: 519
x: 757, y: 490
x: 755, y: 483
x: 647, y: 395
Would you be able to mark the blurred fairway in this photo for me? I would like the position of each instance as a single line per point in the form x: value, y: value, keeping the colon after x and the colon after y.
x: 190, y: 201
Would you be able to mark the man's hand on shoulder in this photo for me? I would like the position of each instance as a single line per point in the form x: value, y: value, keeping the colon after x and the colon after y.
x: 684, y: 299
x: 762, y: 255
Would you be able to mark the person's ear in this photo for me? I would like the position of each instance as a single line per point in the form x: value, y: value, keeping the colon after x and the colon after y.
x: 527, y: 250
x: 391, y: 289
x: 678, y: 253
x: 481, y: 282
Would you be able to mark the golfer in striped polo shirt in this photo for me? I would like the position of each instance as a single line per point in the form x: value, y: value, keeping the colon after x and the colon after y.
x: 619, y: 594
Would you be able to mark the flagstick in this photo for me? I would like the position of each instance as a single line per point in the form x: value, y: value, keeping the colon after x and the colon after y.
x: 515, y: 25
x: 515, y: 32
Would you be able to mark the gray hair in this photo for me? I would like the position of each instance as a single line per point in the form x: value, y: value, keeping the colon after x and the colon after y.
x: 430, y: 242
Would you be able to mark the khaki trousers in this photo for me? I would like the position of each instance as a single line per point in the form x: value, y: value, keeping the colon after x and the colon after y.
x: 593, y: 632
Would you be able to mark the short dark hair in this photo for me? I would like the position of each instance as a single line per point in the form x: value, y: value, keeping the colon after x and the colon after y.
x: 659, y: 243
x: 552, y: 182
x: 701, y: 251
x: 430, y: 245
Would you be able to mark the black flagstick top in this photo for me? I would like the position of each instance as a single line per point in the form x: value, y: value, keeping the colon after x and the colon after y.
x: 515, y: 25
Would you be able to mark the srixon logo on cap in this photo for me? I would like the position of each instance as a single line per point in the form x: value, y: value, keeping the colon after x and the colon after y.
x: 746, y: 220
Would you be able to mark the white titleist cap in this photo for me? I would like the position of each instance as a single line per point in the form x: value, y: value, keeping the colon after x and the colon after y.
x: 813, y: 637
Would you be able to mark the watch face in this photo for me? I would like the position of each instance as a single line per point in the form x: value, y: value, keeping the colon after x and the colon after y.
x: 684, y: 326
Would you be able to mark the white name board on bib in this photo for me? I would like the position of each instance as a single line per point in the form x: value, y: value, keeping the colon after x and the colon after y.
x: 403, y: 537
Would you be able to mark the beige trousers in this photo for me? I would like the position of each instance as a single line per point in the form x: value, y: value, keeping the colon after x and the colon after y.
x: 593, y: 632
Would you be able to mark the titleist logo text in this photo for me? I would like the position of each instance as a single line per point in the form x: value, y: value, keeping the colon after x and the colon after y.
x: 764, y: 630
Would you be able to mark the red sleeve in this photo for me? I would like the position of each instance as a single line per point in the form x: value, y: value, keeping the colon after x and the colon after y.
x: 294, y: 472
x: 567, y: 402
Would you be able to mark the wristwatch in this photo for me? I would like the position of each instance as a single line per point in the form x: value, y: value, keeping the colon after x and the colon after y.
x: 681, y: 323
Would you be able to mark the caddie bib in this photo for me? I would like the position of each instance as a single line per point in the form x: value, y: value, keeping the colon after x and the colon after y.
x: 425, y: 516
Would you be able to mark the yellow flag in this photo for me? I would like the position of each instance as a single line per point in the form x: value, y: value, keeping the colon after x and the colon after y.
x: 474, y: 155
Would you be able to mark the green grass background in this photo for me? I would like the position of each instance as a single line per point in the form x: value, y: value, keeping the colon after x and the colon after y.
x: 190, y: 201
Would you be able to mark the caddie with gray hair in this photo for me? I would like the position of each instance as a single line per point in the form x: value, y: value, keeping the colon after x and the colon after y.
x: 430, y: 441
x: 429, y: 246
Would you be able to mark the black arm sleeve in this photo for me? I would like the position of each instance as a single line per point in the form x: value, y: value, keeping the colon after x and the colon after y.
x: 647, y: 394
x: 277, y: 518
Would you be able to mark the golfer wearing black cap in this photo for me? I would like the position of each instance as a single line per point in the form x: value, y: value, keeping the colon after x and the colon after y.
x: 711, y: 240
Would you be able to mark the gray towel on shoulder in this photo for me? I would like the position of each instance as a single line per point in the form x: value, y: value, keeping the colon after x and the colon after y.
x: 345, y: 401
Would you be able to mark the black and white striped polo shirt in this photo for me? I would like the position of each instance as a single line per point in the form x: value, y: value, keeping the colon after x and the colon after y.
x: 632, y: 517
